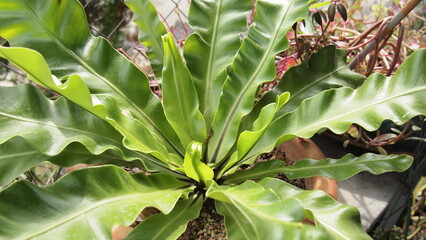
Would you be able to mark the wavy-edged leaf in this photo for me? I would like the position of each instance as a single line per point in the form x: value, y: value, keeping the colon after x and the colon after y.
x: 49, y: 126
x: 347, y: 166
x: 213, y: 47
x: 397, y: 98
x: 75, y: 154
x: 324, y: 70
x: 338, y: 220
x: 194, y: 167
x: 254, y: 212
x: 17, y: 156
x: 150, y: 31
x: 170, y: 226
x: 253, y: 65
x: 337, y: 169
x: 35, y: 66
x: 248, y: 139
x: 260, y: 170
x: 74, y: 209
x: 180, y: 96
x: 58, y: 30
x: 137, y: 136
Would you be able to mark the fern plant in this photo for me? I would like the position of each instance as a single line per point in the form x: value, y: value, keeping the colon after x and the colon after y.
x: 196, y: 137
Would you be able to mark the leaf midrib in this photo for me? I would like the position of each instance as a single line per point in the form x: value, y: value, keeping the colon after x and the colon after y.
x: 294, y: 169
x: 294, y: 95
x: 250, y: 176
x: 333, y: 165
x: 249, y: 83
x: 85, y: 211
x: 56, y: 126
x: 169, y: 223
x: 314, y: 126
x: 21, y: 154
x: 236, y: 219
x: 28, y: 153
x: 165, y: 227
x: 212, y: 54
x: 329, y: 227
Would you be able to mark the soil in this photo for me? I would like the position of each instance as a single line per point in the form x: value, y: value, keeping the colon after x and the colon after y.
x: 209, y: 225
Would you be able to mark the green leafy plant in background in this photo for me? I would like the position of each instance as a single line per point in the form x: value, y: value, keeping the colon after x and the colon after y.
x: 194, y: 139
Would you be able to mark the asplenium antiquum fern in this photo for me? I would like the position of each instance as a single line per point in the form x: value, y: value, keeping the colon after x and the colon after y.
x: 192, y: 140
